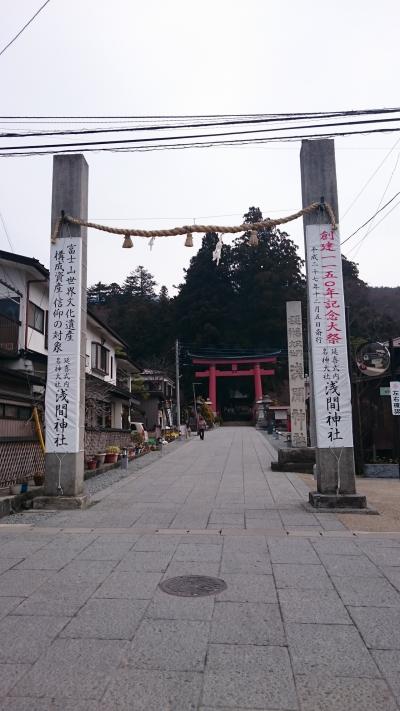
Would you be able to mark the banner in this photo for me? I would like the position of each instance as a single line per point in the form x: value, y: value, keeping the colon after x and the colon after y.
x: 296, y: 374
x: 395, y: 397
x: 330, y: 372
x: 64, y: 333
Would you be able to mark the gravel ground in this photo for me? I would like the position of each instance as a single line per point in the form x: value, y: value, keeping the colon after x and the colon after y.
x: 382, y: 495
x: 94, y: 485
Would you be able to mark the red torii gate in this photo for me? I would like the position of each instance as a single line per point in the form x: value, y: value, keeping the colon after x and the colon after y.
x: 213, y: 372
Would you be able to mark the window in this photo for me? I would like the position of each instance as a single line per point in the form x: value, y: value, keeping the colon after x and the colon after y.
x: 104, y: 415
x: 35, y: 317
x: 9, y: 307
x: 111, y: 367
x: 14, y: 412
x: 46, y: 331
x: 100, y: 358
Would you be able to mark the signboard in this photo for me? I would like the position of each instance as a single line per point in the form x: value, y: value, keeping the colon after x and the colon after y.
x: 64, y: 333
x: 296, y: 374
x: 330, y: 374
x: 395, y: 396
x: 280, y: 415
x: 384, y: 391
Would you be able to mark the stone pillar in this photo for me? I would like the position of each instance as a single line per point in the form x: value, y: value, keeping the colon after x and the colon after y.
x: 64, y: 469
x: 212, y: 387
x: 257, y: 382
x: 318, y: 179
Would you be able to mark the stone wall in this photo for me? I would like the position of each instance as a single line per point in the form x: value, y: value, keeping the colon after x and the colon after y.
x: 19, y: 460
x: 97, y: 441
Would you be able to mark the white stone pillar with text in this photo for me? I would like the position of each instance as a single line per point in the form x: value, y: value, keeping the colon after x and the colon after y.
x: 330, y: 372
x: 65, y: 388
x: 298, y: 415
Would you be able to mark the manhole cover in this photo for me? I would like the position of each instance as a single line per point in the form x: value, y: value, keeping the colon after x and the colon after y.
x: 193, y: 586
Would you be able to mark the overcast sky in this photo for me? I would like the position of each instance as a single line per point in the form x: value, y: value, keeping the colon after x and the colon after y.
x: 96, y: 57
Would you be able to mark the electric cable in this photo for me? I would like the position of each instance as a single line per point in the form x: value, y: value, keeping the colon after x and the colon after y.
x: 350, y: 112
x: 6, y: 232
x: 358, y: 247
x: 370, y: 219
x: 196, y: 125
x: 23, y: 28
x: 381, y: 220
x: 25, y: 151
x: 371, y: 177
x: 198, y: 136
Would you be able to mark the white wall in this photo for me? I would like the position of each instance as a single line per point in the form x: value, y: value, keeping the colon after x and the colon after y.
x: 18, y: 275
x: 38, y: 295
x: 95, y: 334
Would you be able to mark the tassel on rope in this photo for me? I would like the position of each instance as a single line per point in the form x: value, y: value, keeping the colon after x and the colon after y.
x: 253, y: 239
x: 189, y: 240
x: 127, y: 243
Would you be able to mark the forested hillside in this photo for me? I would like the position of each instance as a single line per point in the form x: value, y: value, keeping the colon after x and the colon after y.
x: 240, y: 302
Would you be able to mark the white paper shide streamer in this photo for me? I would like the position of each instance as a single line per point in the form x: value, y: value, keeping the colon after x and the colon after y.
x: 217, y: 251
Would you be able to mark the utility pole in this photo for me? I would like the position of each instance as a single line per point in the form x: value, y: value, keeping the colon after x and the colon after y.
x: 178, y: 392
x: 334, y: 462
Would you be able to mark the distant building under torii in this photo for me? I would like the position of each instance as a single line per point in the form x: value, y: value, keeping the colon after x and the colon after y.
x: 225, y: 363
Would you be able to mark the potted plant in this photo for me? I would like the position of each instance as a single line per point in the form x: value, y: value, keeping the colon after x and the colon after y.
x: 100, y: 458
x: 38, y: 479
x: 112, y: 454
x: 91, y: 463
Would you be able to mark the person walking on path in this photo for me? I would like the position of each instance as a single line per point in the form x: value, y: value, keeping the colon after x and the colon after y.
x: 202, y: 427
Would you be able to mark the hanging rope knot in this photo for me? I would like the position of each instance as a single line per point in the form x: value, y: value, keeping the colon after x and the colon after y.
x: 57, y: 228
x: 127, y: 243
x: 188, y: 230
x: 189, y: 240
x: 253, y: 239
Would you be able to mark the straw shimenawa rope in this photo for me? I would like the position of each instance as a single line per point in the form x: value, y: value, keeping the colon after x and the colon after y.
x: 189, y: 229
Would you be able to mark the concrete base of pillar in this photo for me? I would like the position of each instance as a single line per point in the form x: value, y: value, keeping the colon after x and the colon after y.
x: 61, y: 503
x: 337, y: 501
x: 64, y: 474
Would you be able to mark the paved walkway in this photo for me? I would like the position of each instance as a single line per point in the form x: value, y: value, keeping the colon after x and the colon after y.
x: 310, y: 619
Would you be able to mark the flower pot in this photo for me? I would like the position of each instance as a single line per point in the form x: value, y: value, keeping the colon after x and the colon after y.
x: 111, y: 458
x: 91, y: 464
x: 100, y: 458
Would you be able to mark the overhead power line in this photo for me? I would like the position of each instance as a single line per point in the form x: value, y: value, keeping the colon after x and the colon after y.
x: 78, y: 132
x: 23, y: 28
x: 132, y: 145
x: 352, y: 112
x: 370, y: 219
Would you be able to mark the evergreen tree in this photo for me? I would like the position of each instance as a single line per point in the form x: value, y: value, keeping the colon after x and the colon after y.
x: 163, y: 296
x: 204, y: 305
x: 366, y: 322
x: 265, y: 277
x: 97, y: 294
x: 140, y: 283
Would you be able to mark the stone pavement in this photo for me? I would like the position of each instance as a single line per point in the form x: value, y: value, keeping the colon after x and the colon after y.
x: 309, y: 621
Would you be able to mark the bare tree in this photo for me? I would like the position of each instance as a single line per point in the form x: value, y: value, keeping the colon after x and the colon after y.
x: 97, y: 401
